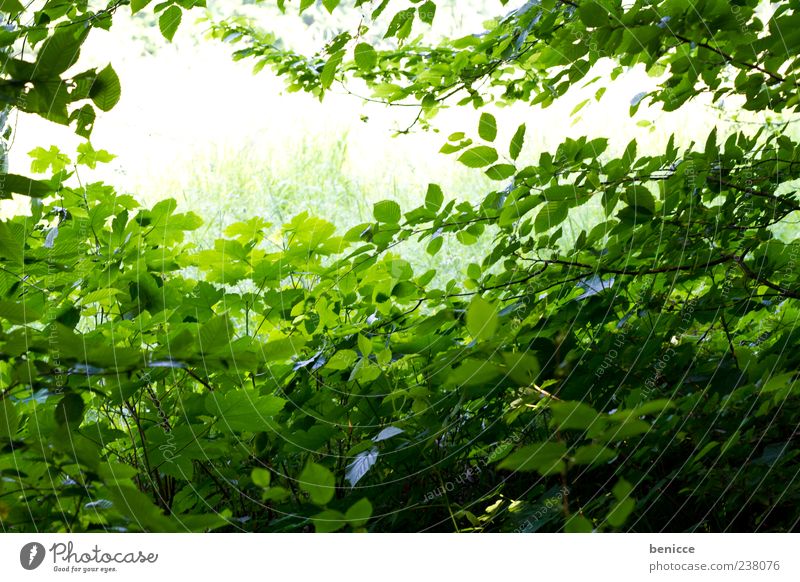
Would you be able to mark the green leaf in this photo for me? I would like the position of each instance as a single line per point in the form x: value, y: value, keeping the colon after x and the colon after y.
x: 482, y: 319
x: 620, y: 512
x: 545, y: 458
x: 478, y: 157
x: 216, y: 334
x: 359, y: 513
x: 43, y: 159
x: 12, y: 242
x: 434, y: 198
x: 501, y: 171
x: 400, y: 26
x: 22, y: 313
x: 261, y: 477
x: 592, y: 14
x: 60, y: 51
x: 365, y: 56
x: 328, y: 521
x: 593, y: 454
x: 629, y: 428
x: 578, y: 524
x: 69, y: 410
x: 8, y: 418
x: 90, y: 157
x: 318, y: 482
x: 427, y: 12
x: 342, y: 360
x: 243, y: 410
x: 387, y: 211
x: 106, y: 90
x: 365, y: 345
x: 169, y: 21
x: 487, y: 127
x: 137, y: 5
x: 328, y: 73
x: 515, y: 147
x: 551, y: 215
x: 14, y: 184
x: 573, y: 415
x: 330, y: 5
x: 11, y: 6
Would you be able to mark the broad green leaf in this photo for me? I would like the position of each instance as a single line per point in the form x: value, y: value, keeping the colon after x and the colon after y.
x: 427, y: 12
x: 544, y: 458
x: 434, y: 197
x: 137, y: 5
x: 243, y: 410
x: 14, y: 184
x: 592, y: 14
x: 69, y: 410
x: 365, y: 56
x: 501, y: 171
x: 551, y: 215
x: 330, y: 5
x: 482, y: 319
x: 573, y: 415
x: 328, y: 73
x: 106, y: 90
x: 11, y: 6
x: 60, y: 51
x: 261, y: 477
x: 329, y: 520
x: 593, y: 454
x: 318, y: 482
x: 478, y: 157
x: 359, y: 513
x: 487, y: 128
x: 8, y: 418
x: 578, y: 524
x: 22, y: 312
x: 342, y: 360
x: 387, y: 211
x: 169, y: 21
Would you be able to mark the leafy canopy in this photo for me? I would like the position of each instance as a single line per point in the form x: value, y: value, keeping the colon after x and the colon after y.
x: 639, y: 376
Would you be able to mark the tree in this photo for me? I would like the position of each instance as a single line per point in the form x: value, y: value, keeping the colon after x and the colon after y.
x: 640, y: 377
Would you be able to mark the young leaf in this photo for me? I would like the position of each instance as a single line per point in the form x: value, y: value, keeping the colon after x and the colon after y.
x: 359, y: 513
x: 434, y: 198
x: 515, y: 147
x: 169, y: 21
x: 487, y: 127
x: 387, y: 211
x: 365, y: 56
x: 318, y: 482
x: 261, y: 477
x: 478, y: 157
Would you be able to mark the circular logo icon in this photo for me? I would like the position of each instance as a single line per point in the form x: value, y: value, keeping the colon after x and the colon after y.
x: 31, y: 555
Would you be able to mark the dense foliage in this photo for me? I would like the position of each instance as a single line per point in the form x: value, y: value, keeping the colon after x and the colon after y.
x: 642, y: 377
